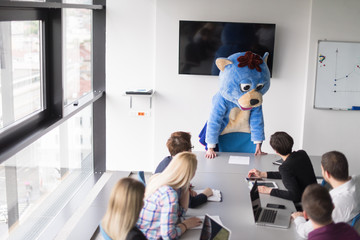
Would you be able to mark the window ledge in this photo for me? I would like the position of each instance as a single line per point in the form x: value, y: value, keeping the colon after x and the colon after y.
x: 86, y: 219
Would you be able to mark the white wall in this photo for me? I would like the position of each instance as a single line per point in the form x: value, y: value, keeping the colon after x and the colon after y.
x: 326, y: 130
x: 183, y: 102
x: 129, y: 65
x: 145, y: 33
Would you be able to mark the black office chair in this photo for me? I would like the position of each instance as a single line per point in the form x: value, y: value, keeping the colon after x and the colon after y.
x: 325, y: 183
x: 355, y: 223
x: 141, y: 177
x: 298, y: 207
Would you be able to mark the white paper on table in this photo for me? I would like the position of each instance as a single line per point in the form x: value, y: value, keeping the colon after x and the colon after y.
x: 216, y: 218
x: 243, y: 160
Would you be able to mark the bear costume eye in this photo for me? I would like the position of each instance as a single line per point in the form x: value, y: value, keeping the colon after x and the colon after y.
x: 244, y: 87
x: 259, y: 86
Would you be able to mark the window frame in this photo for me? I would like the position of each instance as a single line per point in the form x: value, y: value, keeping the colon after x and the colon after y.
x: 22, y: 133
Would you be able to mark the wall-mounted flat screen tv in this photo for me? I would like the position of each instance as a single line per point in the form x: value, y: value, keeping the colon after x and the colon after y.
x: 201, y: 43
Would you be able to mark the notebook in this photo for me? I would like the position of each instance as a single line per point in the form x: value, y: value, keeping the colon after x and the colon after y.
x: 216, y: 197
x: 213, y: 230
x: 268, y: 217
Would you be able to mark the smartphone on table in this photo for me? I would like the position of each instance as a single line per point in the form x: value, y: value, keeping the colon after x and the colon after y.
x: 277, y: 206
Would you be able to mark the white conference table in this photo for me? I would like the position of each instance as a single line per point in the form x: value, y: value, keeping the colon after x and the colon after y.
x: 235, y: 210
x: 262, y: 163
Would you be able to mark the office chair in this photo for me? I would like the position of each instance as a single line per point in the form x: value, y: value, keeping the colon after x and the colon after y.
x: 326, y: 185
x: 355, y: 223
x: 141, y: 177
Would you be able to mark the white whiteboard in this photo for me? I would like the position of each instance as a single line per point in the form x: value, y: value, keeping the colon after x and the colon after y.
x: 338, y: 75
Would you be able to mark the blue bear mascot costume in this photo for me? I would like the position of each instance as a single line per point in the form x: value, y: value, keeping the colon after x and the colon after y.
x: 236, y: 121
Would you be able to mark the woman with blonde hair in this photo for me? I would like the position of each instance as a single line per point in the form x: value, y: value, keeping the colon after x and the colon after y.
x: 167, y: 198
x: 125, y: 204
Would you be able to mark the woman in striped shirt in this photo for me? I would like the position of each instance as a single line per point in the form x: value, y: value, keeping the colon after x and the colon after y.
x: 167, y: 198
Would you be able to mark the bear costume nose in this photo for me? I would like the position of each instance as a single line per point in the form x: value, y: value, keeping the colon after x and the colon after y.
x: 254, y: 102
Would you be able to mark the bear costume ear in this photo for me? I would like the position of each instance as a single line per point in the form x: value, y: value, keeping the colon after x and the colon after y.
x: 222, y: 62
x: 265, y: 57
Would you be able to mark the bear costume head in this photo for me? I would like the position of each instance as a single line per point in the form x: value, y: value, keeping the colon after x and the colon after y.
x: 244, y: 79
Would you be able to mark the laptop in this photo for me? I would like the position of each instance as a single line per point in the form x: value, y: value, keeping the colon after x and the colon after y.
x: 213, y: 230
x: 265, y: 216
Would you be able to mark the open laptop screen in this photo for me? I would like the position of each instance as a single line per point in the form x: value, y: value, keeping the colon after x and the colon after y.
x: 212, y: 230
x: 255, y: 200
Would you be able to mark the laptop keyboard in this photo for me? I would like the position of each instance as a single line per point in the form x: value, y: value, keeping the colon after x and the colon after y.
x: 268, y: 216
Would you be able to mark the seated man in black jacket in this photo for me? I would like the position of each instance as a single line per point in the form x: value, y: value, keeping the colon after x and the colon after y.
x: 296, y: 171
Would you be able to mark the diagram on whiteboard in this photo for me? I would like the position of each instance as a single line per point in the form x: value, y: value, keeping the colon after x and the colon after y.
x: 338, y: 75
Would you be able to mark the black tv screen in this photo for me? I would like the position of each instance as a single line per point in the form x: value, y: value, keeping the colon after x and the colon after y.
x: 201, y: 43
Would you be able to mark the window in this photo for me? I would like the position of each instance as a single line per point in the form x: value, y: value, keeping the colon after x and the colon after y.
x: 20, y: 70
x: 52, y: 111
x: 78, y: 1
x: 77, y: 54
x: 3, y: 201
x: 38, y: 172
x: 30, y: 0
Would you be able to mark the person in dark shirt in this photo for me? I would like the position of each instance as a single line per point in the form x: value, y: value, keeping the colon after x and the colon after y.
x: 125, y: 204
x: 318, y: 208
x: 177, y: 143
x: 296, y: 171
